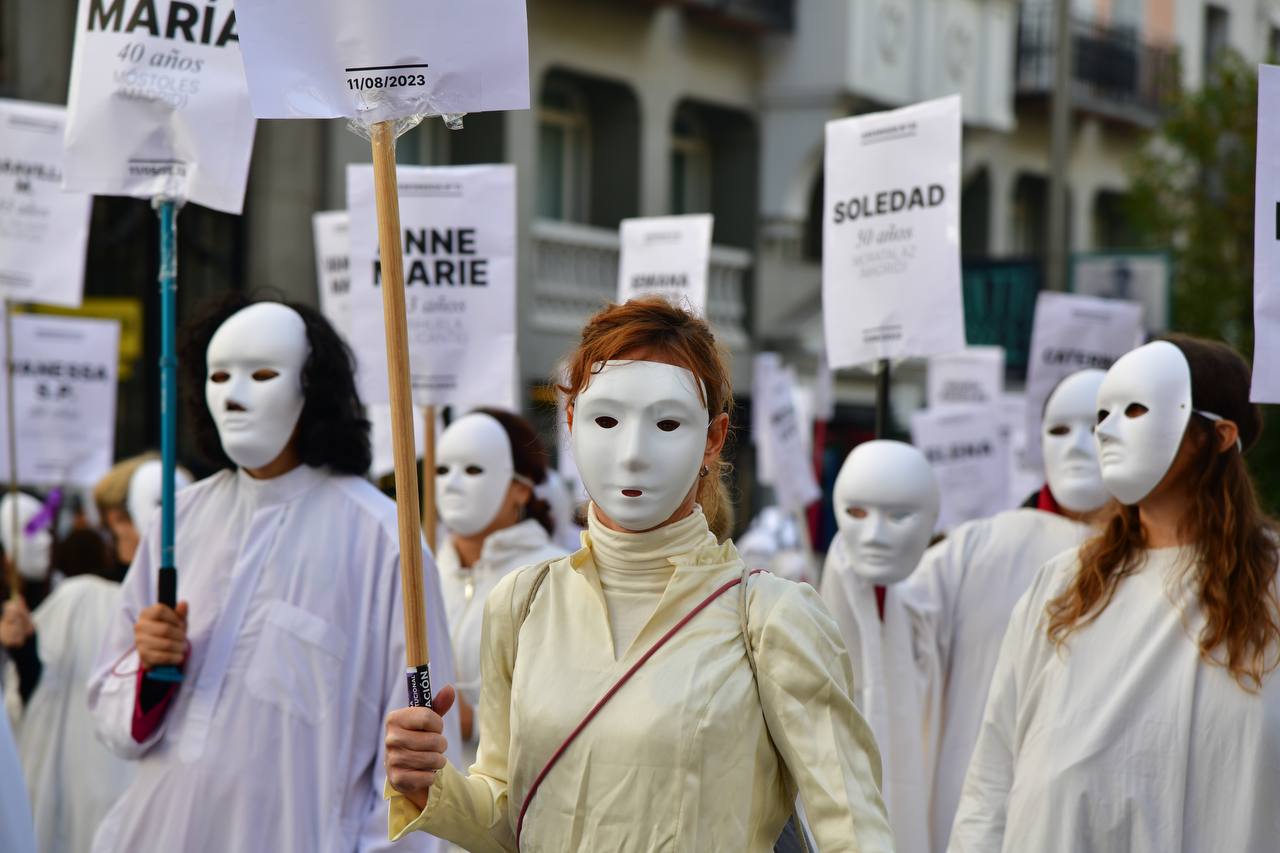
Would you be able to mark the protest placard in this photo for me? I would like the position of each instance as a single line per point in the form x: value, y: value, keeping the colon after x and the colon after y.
x: 44, y: 231
x: 64, y: 399
x: 969, y: 457
x: 973, y: 375
x: 387, y: 59
x: 158, y: 105
x: 1266, y: 242
x: 891, y: 235
x: 1071, y: 333
x: 459, y: 249
x: 666, y: 256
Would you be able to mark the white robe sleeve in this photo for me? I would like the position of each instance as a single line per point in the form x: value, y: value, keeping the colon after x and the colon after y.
x: 980, y: 820
x: 113, y: 684
x: 394, y: 689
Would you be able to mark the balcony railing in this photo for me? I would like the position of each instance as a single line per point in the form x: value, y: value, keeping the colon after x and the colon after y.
x: 1113, y: 72
x: 761, y: 15
x: 576, y: 272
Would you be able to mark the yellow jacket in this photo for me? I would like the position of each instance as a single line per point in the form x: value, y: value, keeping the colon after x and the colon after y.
x: 690, y: 755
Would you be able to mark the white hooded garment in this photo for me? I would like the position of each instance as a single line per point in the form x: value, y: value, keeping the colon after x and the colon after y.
x: 896, y: 682
x: 1126, y: 739
x: 16, y: 835
x: 965, y: 589
x: 465, y: 591
x: 274, y: 740
x: 72, y: 777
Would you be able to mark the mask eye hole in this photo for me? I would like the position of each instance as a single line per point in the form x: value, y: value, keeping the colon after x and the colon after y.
x: 856, y: 512
x: 1103, y: 414
x: 668, y: 425
x: 1135, y: 410
x: 442, y: 470
x: 606, y: 422
x: 265, y: 374
x: 219, y: 376
x: 1059, y: 429
x: 474, y: 470
x: 900, y: 515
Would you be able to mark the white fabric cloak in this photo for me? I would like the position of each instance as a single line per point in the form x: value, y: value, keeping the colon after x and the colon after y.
x: 1126, y: 739
x: 966, y: 588
x: 274, y: 740
x: 16, y: 834
x: 72, y: 777
x: 896, y: 686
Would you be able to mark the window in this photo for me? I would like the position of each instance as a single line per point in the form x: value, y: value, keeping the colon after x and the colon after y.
x: 690, y: 165
x: 1216, y: 23
x: 563, y: 153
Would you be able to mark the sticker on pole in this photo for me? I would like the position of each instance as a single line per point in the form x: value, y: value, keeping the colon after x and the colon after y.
x: 1071, y: 333
x: 891, y: 235
x: 44, y: 231
x: 1266, y: 242
x: 64, y: 399
x: 970, y: 458
x: 384, y: 59
x: 459, y: 236
x: 158, y: 103
x: 666, y: 256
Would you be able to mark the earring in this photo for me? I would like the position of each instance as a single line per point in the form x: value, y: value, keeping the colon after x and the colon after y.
x: 704, y: 472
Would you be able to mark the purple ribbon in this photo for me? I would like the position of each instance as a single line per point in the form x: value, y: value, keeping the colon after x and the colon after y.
x: 44, y: 518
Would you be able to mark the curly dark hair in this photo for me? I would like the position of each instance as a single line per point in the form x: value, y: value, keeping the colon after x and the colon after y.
x: 332, y: 429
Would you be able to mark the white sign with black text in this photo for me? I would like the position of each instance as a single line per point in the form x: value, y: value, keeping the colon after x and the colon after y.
x: 333, y: 268
x: 44, y: 231
x: 459, y: 238
x: 970, y: 458
x: 971, y: 376
x: 666, y: 256
x: 1266, y: 242
x: 64, y: 399
x: 783, y: 439
x: 1071, y: 333
x: 158, y: 105
x: 891, y: 235
x: 384, y: 59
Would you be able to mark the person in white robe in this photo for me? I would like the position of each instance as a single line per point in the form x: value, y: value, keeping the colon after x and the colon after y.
x: 288, y: 630
x: 556, y: 491
x: 16, y: 833
x: 1135, y: 704
x: 72, y: 777
x: 965, y: 588
x: 488, y: 466
x: 886, y: 506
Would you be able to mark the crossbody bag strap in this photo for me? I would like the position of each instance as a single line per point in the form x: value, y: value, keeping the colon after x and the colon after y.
x: 540, y: 575
x: 743, y: 605
x: 613, y: 691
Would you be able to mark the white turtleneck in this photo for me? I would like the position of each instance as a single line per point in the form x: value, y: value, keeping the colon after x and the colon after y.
x: 634, y: 568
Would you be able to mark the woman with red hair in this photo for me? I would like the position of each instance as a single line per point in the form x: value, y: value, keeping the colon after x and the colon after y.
x: 645, y: 693
x: 1135, y: 704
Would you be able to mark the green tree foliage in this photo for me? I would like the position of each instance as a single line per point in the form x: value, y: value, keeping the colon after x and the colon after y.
x: 1193, y: 191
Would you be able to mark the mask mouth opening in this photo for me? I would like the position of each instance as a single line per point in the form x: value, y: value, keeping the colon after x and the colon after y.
x: 632, y: 493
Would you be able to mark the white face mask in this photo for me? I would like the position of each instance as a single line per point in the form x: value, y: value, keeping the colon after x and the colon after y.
x: 886, y: 504
x: 254, y: 382
x: 1070, y: 452
x: 33, y: 551
x: 474, y: 470
x: 143, y: 501
x: 1144, y: 406
x: 639, y: 435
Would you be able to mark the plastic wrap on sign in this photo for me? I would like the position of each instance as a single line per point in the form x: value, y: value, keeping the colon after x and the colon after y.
x: 380, y: 60
x: 158, y: 105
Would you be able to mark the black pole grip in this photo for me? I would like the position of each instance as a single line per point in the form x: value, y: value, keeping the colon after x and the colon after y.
x: 167, y: 583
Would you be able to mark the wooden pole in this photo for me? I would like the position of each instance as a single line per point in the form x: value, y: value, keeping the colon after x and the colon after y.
x: 429, y: 523
x: 11, y: 561
x: 416, y: 650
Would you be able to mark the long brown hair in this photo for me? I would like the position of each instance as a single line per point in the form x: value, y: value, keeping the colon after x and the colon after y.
x: 1235, y: 542
x: 654, y: 324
